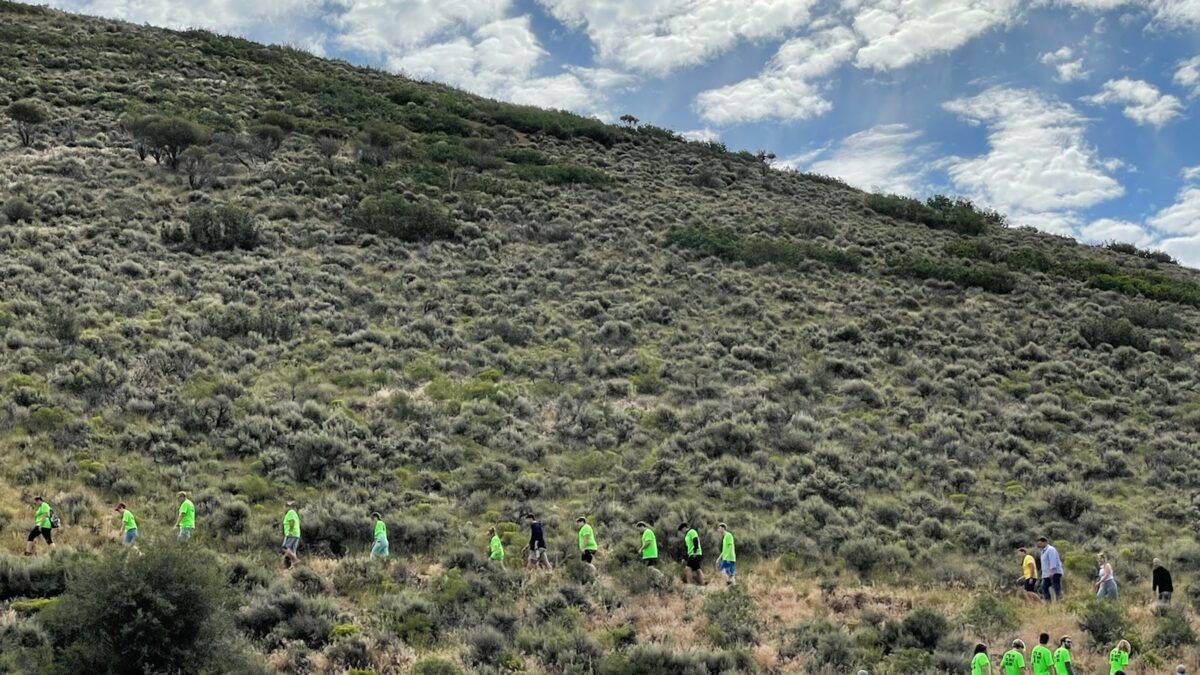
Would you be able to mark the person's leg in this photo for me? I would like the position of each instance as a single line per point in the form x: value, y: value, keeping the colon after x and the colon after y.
x: 1058, y: 592
x: 33, y: 535
x: 1046, y: 589
x: 48, y: 535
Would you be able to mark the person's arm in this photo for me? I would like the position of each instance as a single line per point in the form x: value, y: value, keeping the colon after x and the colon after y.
x: 179, y: 516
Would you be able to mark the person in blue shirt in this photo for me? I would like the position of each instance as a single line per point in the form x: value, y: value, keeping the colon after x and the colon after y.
x: 538, y: 554
x: 1052, y: 570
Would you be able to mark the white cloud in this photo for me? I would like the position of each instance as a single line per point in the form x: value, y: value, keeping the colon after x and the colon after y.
x: 1188, y: 75
x: 1182, y: 217
x: 661, y: 36
x: 1177, y: 13
x: 1066, y: 68
x: 902, y: 32
x: 1039, y: 167
x: 1145, y: 104
x: 269, y: 19
x: 785, y: 88
x: 384, y: 27
x: 1109, y: 229
x: 1184, y: 249
x: 884, y: 158
x: 704, y: 135
x: 1191, y: 173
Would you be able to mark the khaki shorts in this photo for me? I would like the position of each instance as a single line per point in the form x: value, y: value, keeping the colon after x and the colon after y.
x: 538, y: 555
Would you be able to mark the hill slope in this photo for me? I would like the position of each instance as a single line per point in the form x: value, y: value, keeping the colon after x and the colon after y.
x: 367, y: 293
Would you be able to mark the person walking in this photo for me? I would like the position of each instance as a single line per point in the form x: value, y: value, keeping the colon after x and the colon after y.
x: 727, y: 562
x: 43, y: 525
x: 291, y: 536
x: 185, y: 522
x: 538, y: 554
x: 649, y: 548
x: 379, y: 549
x: 980, y: 663
x: 128, y: 524
x: 1118, y: 658
x: 495, y: 548
x: 1028, y: 578
x: 587, y: 543
x: 1106, y: 583
x: 1013, y: 661
x: 1052, y: 570
x: 1161, y: 583
x: 695, y: 555
x: 1040, y: 658
x: 1062, y: 657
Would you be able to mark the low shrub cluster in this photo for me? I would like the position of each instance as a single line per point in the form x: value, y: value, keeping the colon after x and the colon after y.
x: 396, y: 216
x: 989, y: 277
x: 938, y: 212
x: 727, y: 244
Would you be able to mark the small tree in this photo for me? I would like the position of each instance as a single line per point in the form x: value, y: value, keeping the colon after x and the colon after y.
x: 630, y: 121
x: 265, y: 139
x: 379, y: 143
x: 198, y: 165
x: 164, y: 138
x: 28, y: 114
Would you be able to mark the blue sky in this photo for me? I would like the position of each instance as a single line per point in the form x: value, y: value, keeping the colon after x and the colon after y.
x: 1074, y: 116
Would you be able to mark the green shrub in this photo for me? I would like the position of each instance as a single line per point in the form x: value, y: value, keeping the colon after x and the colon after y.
x: 393, y: 215
x: 408, y: 617
x: 727, y: 244
x: 379, y: 143
x: 274, y: 615
x: 1118, y: 333
x: 921, y: 629
x: 561, y: 174
x: 1105, y: 621
x: 652, y: 660
x: 1172, y: 630
x: 28, y: 114
x: 436, y: 667
x: 165, y: 138
x: 31, y: 607
x: 1130, y: 249
x: 222, y: 227
x: 992, y: 615
x: 982, y: 275
x: 938, y: 212
x: 17, y: 210
x: 732, y: 618
x: 41, y: 577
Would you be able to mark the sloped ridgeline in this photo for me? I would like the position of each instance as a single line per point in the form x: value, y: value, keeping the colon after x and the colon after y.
x: 260, y: 276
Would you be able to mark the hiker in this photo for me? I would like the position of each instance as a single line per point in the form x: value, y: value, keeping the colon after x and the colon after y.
x: 1181, y: 669
x: 695, y: 555
x: 538, y: 555
x: 380, y: 548
x: 1118, y: 658
x: 291, y: 536
x: 186, y: 520
x: 727, y: 562
x: 649, y: 548
x: 980, y: 663
x: 1106, y: 583
x: 587, y: 542
x: 495, y: 548
x: 1028, y: 578
x: 1013, y: 661
x: 1052, y: 570
x: 1062, y: 657
x: 42, y: 525
x: 1161, y: 583
x: 1040, y: 659
x: 129, y: 524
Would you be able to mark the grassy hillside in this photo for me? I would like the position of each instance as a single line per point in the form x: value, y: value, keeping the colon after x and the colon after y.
x: 258, y: 276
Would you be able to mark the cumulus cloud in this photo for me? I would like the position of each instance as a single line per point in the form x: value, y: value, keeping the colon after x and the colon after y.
x: 705, y: 135
x: 885, y: 158
x: 1109, y: 229
x: 1144, y: 103
x: 1188, y: 75
x: 901, y: 32
x: 384, y: 27
x: 1182, y: 217
x: 786, y: 88
x: 1067, y: 68
x: 272, y: 20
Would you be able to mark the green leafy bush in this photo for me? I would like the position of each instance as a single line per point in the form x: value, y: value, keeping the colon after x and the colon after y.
x: 732, y: 618
x: 1116, y: 332
x: 938, y: 212
x: 727, y: 244
x: 17, y: 210
x: 164, y: 137
x: 1105, y: 621
x: 395, y: 216
x: 28, y: 114
x: 222, y: 227
x: 982, y: 275
x: 561, y: 174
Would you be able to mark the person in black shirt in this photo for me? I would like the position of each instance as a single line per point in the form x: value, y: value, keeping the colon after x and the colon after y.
x: 538, y: 555
x: 1161, y: 583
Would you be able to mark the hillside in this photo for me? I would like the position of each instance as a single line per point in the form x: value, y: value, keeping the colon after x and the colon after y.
x: 259, y: 276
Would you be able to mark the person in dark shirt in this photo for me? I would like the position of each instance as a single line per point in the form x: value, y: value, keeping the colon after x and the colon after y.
x: 538, y: 555
x: 1161, y: 582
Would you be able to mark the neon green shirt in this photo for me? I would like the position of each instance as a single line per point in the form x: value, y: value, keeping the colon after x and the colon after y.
x: 497, y: 548
x: 1062, y: 656
x: 692, y: 539
x: 42, y: 517
x: 380, y: 531
x: 587, y: 540
x: 188, y: 512
x: 1013, y: 662
x: 1117, y: 660
x: 728, y: 552
x: 1040, y: 660
x: 127, y: 519
x: 981, y: 665
x: 649, y: 544
x: 294, y: 529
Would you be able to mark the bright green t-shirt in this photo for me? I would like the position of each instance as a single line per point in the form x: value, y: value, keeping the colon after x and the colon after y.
x: 692, y: 539
x: 1062, y: 656
x: 42, y: 517
x: 292, y: 530
x: 728, y: 554
x: 127, y: 518
x: 497, y: 548
x: 188, y: 510
x: 980, y: 665
x: 587, y: 540
x: 1040, y: 660
x: 649, y: 544
x: 1117, y: 660
x: 1013, y: 662
x: 380, y: 530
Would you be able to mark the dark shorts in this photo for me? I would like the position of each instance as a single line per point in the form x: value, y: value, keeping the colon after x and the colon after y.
x: 43, y: 532
x: 650, y: 562
x: 586, y: 556
x: 1030, y: 585
x: 693, y: 562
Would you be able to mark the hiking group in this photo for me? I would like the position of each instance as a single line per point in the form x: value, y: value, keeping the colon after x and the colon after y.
x: 1045, y: 574
x: 1044, y: 662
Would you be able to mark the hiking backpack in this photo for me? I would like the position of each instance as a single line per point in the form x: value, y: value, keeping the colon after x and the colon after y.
x: 55, y: 523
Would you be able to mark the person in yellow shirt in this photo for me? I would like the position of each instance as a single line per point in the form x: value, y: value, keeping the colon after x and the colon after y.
x: 1029, y: 575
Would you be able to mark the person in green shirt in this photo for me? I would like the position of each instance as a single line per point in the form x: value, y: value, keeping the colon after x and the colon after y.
x: 291, y: 536
x: 649, y: 549
x: 380, y: 548
x: 1040, y: 658
x: 695, y: 555
x: 587, y: 542
x: 128, y: 523
x: 727, y: 563
x: 41, y: 525
x: 1062, y: 657
x: 980, y: 663
x: 1013, y: 661
x: 1118, y: 658
x: 186, y: 520
x: 495, y: 547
